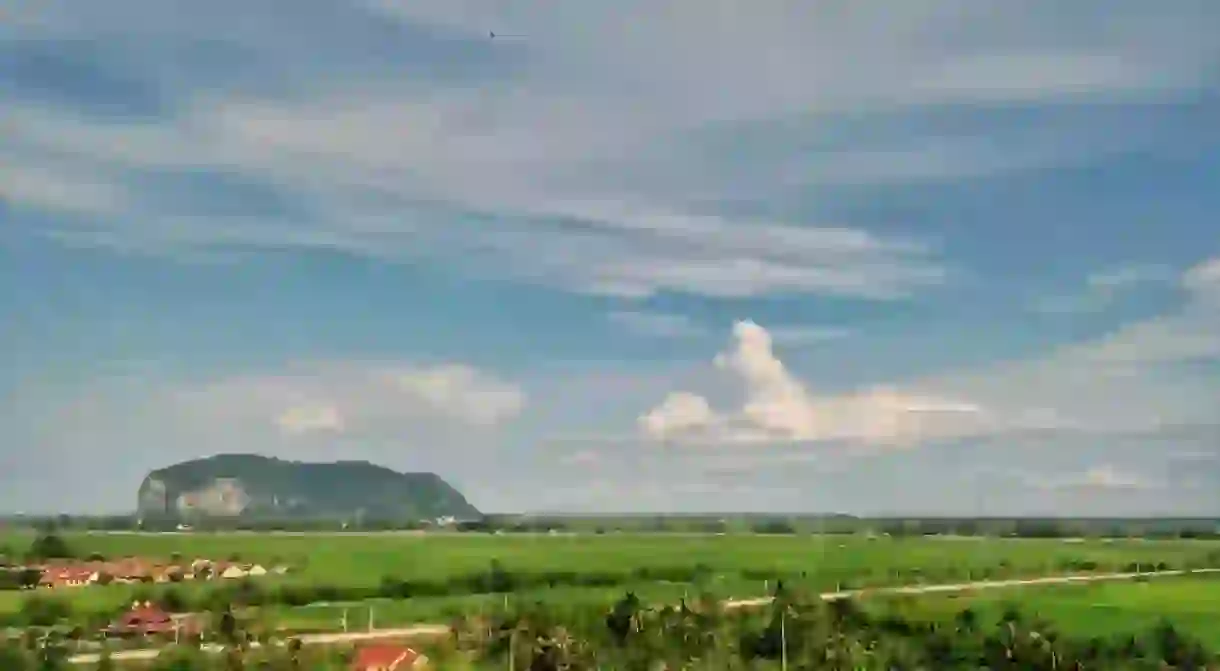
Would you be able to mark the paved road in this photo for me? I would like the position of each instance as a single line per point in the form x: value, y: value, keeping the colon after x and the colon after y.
x: 979, y: 585
x: 437, y: 630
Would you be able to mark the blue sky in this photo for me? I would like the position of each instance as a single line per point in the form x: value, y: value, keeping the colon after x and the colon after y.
x: 953, y: 256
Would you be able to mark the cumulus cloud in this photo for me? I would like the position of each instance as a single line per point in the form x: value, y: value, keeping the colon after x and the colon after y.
x: 681, y: 412
x: 778, y: 407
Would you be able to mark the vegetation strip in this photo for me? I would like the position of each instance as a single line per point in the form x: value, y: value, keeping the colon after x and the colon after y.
x: 436, y: 630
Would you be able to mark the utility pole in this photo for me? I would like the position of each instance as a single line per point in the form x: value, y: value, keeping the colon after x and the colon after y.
x: 345, y: 620
x: 370, y: 618
x: 512, y: 648
x: 783, y: 639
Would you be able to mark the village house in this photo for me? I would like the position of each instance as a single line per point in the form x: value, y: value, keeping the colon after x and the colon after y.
x: 66, y: 577
x: 387, y: 657
x: 232, y: 571
x: 64, y: 573
x: 146, y: 619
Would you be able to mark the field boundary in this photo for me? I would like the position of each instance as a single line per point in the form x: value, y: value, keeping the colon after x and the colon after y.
x: 438, y: 630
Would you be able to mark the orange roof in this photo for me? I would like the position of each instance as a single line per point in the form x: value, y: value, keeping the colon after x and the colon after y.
x: 384, y: 657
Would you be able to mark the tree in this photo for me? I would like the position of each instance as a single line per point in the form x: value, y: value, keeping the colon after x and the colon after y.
x: 40, y: 611
x: 50, y: 546
x: 29, y: 578
x: 227, y: 628
x: 967, y: 621
x: 13, y: 658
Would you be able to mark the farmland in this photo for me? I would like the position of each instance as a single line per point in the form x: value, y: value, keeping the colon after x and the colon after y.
x: 1086, y: 610
x: 363, y: 559
x: 444, y: 572
x: 362, y: 581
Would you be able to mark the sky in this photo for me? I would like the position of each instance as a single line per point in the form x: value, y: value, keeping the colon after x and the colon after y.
x: 929, y: 257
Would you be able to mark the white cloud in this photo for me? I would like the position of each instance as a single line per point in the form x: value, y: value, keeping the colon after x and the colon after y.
x: 364, y: 184
x: 64, y: 190
x: 350, y: 398
x: 1103, y: 289
x: 1204, y: 279
x: 302, y: 419
x: 586, y: 164
x: 795, y: 336
x: 680, y: 412
x: 463, y: 392
x: 1131, y: 380
x: 721, y: 63
x: 1190, y: 333
x: 669, y: 325
x: 1100, y: 478
x: 779, y: 408
x: 1127, y: 276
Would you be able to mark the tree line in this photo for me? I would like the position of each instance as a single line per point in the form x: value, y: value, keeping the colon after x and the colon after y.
x: 764, y: 524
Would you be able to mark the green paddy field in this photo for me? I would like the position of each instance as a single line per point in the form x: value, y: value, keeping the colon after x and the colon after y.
x: 366, y: 558
x: 1191, y: 603
x: 658, y: 567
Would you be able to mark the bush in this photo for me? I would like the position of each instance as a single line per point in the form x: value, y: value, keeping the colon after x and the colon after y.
x: 40, y: 611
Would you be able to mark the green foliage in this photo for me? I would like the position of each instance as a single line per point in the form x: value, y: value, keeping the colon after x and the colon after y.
x: 49, y: 546
x: 812, y: 635
x: 41, y: 611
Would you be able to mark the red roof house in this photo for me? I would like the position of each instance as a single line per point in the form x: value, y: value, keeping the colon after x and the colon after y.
x: 144, y: 619
x: 64, y: 577
x: 387, y: 657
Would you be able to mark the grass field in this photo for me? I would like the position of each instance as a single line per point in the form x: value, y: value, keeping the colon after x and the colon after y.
x: 1191, y: 603
x: 734, y: 565
x: 365, y: 559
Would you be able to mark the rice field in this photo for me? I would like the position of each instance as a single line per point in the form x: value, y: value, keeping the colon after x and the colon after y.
x: 729, y: 566
x: 366, y: 558
x: 1191, y: 603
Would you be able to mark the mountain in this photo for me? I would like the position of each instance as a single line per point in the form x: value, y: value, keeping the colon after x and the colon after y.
x: 247, y: 485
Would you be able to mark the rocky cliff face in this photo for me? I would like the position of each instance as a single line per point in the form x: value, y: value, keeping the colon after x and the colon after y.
x: 253, y: 486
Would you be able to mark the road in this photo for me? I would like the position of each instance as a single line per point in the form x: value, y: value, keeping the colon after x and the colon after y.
x: 438, y: 630
x: 979, y: 585
x: 417, y: 631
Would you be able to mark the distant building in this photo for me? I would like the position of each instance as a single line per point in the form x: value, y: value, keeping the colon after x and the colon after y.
x: 387, y: 657
x: 233, y: 571
x: 145, y: 619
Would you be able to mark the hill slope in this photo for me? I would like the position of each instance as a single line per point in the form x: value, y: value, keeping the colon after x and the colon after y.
x: 246, y: 485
